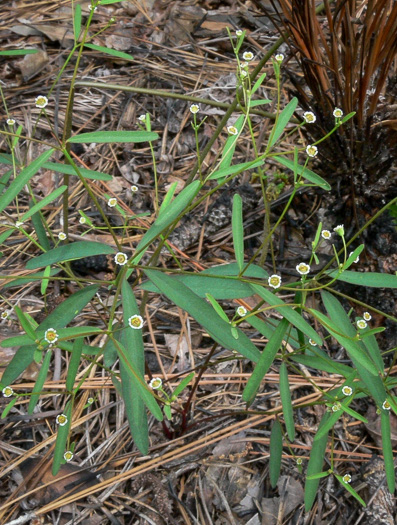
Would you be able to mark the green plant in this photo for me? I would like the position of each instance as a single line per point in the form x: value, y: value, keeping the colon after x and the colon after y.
x: 200, y: 294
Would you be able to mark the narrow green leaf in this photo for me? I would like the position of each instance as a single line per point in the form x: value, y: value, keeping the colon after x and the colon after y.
x: 4, y: 236
x: 25, y: 324
x: 38, y: 386
x: 230, y: 145
x: 107, y: 137
x: 235, y: 169
x: 305, y: 172
x: 315, y: 465
x: 30, y: 278
x: 17, y: 135
x: 62, y: 437
x: 63, y: 333
x: 258, y: 83
x: 168, y: 198
x: 320, y: 475
x: 45, y: 281
x: 74, y: 363
x: 387, y: 450
x: 67, y: 169
x: 69, y: 252
x: 285, y: 394
x: 354, y: 414
x: 371, y: 279
x: 238, y: 230
x: 217, y: 307
x: 7, y: 409
x: 23, y: 178
x: 348, y: 117
x: 49, y: 198
x: 109, y: 51
x: 276, y: 451
x: 283, y: 120
x: 254, y: 103
x: 77, y: 21
x: 182, y: 385
x: 38, y: 225
x: 17, y: 52
x: 265, y: 361
x: 286, y: 311
x: 371, y: 345
x: 22, y: 359
x: 350, y: 489
x: 218, y: 329
x: 167, y: 217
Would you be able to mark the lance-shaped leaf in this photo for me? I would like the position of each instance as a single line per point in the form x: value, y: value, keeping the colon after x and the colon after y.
x: 38, y: 386
x: 69, y: 252
x: 74, y: 363
x: 62, y: 437
x: 67, y: 169
x: 238, y: 230
x: 371, y: 279
x: 305, y: 172
x: 387, y: 450
x: 285, y: 394
x: 108, y: 137
x: 283, y: 120
x: 51, y: 197
x: 22, y: 359
x: 217, y: 328
x: 276, y: 451
x: 109, y: 51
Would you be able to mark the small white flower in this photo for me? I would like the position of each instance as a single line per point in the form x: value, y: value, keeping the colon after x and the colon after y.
x: 239, y: 32
x: 340, y: 230
x: 346, y: 478
x: 142, y: 118
x: 155, y: 383
x: 68, y: 456
x: 347, y: 391
x: 243, y: 73
x: 303, y: 268
x: 274, y: 281
x: 299, y: 461
x: 10, y: 121
x: 112, y: 202
x: 279, y: 57
x: 312, y: 342
x: 62, y: 236
x: 4, y: 315
x: 18, y: 224
x: 7, y: 391
x: 312, y: 151
x: 135, y: 322
x: 338, y: 113
x: 361, y: 324
x: 386, y: 405
x: 336, y: 407
x: 90, y: 8
x: 194, y: 108
x: 90, y: 400
x: 61, y: 420
x: 120, y: 258
x: 82, y: 220
x: 51, y: 336
x: 112, y: 20
x: 134, y: 188
x: 309, y: 117
x: 248, y: 56
x: 41, y: 101
x: 367, y: 316
x: 356, y: 260
x: 232, y: 130
x: 326, y: 234
x: 244, y: 64
x: 241, y: 311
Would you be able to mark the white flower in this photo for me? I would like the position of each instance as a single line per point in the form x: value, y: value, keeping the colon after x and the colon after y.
x: 356, y: 259
x: 194, y: 108
x: 244, y: 64
x: 340, y: 230
x: 279, y: 57
x: 312, y: 151
x: 309, y: 117
x: 155, y: 383
x: 4, y: 315
x: 274, y: 281
x: 346, y: 478
x: 51, y: 336
x: 41, y: 101
x: 347, y: 391
x: 134, y: 188
x: 241, y: 311
x: 303, y: 268
x: 248, y: 56
x: 239, y: 32
x: 338, y: 113
x: 135, y: 322
x: 90, y: 8
x: 361, y: 324
x: 10, y: 121
x: 367, y: 316
x: 243, y: 73
x: 90, y: 400
x: 82, y: 220
x: 232, y: 130
x: 61, y: 420
x: 7, y: 391
x: 112, y: 202
x: 299, y: 461
x: 312, y: 342
x: 18, y: 224
x: 68, y: 456
x: 326, y: 234
x: 142, y: 118
x: 336, y: 407
x: 62, y: 236
x: 120, y: 258
x: 386, y: 405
